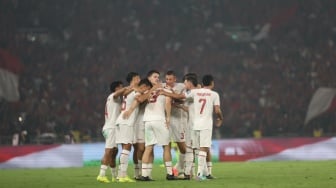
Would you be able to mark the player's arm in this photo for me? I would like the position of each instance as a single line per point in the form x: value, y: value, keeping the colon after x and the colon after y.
x: 168, y: 107
x: 144, y: 97
x: 219, y: 115
x: 128, y: 90
x: 133, y: 106
x: 173, y: 95
x: 119, y: 92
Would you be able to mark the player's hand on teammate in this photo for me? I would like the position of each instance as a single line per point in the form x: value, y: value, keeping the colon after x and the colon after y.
x: 126, y: 114
x: 161, y: 91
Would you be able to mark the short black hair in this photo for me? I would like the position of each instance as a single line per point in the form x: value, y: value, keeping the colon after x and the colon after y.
x: 146, y: 82
x: 130, y: 76
x: 207, y: 80
x: 192, y: 77
x: 152, y: 72
x: 114, y: 85
x: 170, y: 72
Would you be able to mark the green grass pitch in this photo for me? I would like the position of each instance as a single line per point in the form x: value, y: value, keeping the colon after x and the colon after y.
x: 312, y: 174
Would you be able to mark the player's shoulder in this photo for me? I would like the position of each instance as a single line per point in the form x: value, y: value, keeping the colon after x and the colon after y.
x: 110, y: 96
x: 179, y: 86
x: 205, y: 91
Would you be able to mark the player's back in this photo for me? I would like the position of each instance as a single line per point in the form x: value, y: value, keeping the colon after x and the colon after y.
x: 155, y: 108
x: 112, y: 110
x: 204, y: 102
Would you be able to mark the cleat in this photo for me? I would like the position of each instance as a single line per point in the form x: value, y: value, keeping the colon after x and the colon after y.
x: 200, y: 178
x: 137, y: 177
x: 114, y: 179
x: 180, y: 173
x: 142, y: 178
x: 126, y: 180
x: 181, y: 176
x: 210, y: 177
x: 186, y: 177
x: 103, y: 179
x: 175, y: 171
x: 171, y: 177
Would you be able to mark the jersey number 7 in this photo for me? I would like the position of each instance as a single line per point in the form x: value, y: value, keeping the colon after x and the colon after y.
x: 203, y: 102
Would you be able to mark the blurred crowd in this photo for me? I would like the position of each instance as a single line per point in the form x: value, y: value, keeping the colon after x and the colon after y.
x: 72, y: 49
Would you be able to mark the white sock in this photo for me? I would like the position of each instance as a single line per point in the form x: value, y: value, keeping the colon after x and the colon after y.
x: 123, y: 163
x: 181, y: 163
x: 136, y: 170
x: 140, y: 166
x: 102, y: 170
x: 114, y: 172
x: 145, y: 169
x: 169, y: 167
x: 189, y: 158
x: 150, y: 167
x: 201, y: 163
x: 209, y: 165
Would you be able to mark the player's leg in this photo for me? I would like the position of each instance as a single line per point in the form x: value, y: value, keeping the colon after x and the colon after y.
x: 181, y: 160
x: 205, y: 143
x: 201, y: 168
x: 147, y: 163
x: 104, y: 165
x: 189, y: 160
x: 189, y: 154
x: 139, y: 148
x: 167, y: 158
x: 177, y: 133
x: 125, y: 136
x: 163, y: 138
x: 136, y: 161
x: 113, y: 163
x: 106, y: 159
x: 209, y: 165
x: 147, y: 157
x: 124, y: 157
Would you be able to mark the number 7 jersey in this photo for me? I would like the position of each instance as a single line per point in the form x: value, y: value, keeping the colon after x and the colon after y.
x: 204, y: 101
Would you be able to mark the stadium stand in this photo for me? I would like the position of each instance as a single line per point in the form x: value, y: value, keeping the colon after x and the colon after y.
x: 268, y: 58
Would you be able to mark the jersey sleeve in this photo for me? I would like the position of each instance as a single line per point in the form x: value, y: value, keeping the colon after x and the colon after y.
x: 216, y: 99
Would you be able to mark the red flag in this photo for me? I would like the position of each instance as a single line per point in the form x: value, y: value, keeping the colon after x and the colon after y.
x: 10, y: 67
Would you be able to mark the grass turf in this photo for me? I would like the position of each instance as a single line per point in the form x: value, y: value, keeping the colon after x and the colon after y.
x: 284, y: 174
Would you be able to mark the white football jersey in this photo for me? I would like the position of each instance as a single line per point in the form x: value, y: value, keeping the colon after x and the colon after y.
x: 178, y: 112
x: 189, y: 102
x: 204, y: 101
x: 126, y: 104
x: 112, y: 110
x: 155, y: 108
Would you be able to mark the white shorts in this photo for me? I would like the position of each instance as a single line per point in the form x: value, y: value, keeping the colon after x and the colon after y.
x: 139, y: 132
x: 177, y: 129
x: 156, y: 132
x: 110, y: 137
x: 202, y: 138
x: 125, y: 134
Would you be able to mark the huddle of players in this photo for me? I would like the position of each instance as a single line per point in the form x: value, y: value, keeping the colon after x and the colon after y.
x: 148, y: 113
